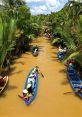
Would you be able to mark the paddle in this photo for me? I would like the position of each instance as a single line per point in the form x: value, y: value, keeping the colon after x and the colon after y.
x: 68, y: 92
x: 19, y: 96
x: 77, y: 90
x: 40, y: 72
x: 42, y: 75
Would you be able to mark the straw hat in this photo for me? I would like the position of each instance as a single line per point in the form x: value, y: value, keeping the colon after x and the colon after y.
x: 31, y: 76
x: 25, y: 91
x: 29, y: 85
x: 34, y: 70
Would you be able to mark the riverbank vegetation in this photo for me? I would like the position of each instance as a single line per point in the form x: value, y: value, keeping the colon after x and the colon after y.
x: 66, y: 25
x: 17, y: 29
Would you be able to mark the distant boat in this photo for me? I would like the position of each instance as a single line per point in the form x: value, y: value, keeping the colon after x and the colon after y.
x: 35, y: 51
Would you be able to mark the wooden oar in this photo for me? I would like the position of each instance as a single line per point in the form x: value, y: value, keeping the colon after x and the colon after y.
x: 68, y: 92
x: 42, y: 75
x: 20, y: 96
x: 41, y: 72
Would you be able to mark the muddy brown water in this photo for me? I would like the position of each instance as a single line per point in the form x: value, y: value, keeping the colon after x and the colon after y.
x: 50, y: 100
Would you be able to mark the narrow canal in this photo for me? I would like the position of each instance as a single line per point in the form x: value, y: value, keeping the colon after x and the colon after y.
x: 50, y: 100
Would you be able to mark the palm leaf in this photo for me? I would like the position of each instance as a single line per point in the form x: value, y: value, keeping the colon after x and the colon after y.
x: 55, y: 40
x: 8, y: 34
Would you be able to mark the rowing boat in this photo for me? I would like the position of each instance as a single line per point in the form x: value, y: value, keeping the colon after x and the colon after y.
x: 34, y: 89
x: 74, y: 81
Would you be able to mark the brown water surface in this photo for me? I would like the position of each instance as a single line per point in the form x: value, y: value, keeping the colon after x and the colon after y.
x: 51, y: 100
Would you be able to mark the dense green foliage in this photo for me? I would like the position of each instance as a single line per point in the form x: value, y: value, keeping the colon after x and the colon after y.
x: 67, y: 25
x: 17, y: 28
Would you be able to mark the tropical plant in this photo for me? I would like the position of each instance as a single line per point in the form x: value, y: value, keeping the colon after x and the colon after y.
x: 7, y: 38
x: 67, y: 24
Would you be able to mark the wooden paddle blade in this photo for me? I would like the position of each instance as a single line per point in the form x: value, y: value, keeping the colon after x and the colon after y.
x: 42, y: 75
x: 19, y: 96
x: 68, y: 92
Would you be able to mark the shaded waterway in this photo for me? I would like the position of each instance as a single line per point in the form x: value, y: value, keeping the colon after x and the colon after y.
x: 50, y: 100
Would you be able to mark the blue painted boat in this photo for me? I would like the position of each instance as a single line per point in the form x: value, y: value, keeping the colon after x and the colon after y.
x: 74, y: 81
x: 34, y: 90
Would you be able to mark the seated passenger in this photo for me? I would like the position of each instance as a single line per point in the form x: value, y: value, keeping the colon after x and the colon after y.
x: 71, y: 67
x: 2, y: 80
x: 35, y: 50
x: 35, y: 69
x: 30, y: 90
x: 31, y: 80
x: 62, y: 50
x: 65, y: 50
x: 26, y: 96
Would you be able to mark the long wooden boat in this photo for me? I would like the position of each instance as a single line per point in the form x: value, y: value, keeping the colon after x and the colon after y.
x: 74, y: 81
x: 3, y: 87
x: 34, y: 90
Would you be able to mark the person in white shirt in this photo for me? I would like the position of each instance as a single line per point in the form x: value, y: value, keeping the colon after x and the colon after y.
x: 31, y: 80
x: 62, y: 50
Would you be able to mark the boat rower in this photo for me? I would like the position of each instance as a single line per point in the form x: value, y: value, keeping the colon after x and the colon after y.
x: 25, y: 95
x: 31, y: 80
x: 2, y: 80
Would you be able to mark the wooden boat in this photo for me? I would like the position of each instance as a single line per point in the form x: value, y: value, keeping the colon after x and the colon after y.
x: 34, y: 90
x: 35, y: 51
x: 3, y: 87
x: 74, y: 81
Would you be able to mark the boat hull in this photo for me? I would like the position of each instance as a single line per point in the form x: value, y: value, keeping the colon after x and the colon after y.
x: 34, y: 90
x: 73, y: 78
